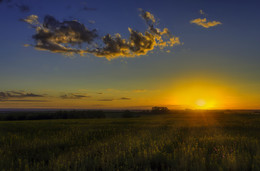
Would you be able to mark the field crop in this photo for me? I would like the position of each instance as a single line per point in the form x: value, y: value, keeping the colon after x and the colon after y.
x: 182, y: 141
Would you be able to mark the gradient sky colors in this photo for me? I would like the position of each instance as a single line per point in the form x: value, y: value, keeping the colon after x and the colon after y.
x: 215, y: 62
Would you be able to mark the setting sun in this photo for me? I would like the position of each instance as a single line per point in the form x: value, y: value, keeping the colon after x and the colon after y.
x: 201, y: 103
x: 201, y: 94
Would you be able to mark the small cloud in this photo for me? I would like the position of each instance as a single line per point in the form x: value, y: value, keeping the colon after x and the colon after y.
x: 23, y: 7
x: 106, y: 100
x: 73, y: 96
x: 147, y: 16
x: 204, y: 23
x: 202, y: 12
x: 7, y: 95
x: 125, y: 98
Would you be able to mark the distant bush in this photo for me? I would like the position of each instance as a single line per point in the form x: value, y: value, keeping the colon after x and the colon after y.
x: 129, y: 114
x: 160, y: 110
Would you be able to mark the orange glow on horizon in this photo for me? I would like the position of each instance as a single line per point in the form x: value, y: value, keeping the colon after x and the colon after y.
x: 201, y: 94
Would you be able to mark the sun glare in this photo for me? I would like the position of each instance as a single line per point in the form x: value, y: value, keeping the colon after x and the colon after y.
x: 200, y: 94
x: 201, y: 103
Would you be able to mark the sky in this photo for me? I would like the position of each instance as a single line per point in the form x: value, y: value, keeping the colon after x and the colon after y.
x: 97, y: 54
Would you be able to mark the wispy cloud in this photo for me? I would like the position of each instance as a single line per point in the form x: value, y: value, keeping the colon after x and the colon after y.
x: 28, y: 101
x: 73, y: 96
x: 110, y: 99
x: 125, y: 98
x: 106, y: 100
x: 86, y: 8
x: 9, y: 95
x: 62, y: 37
x: 21, y: 6
x: 204, y: 23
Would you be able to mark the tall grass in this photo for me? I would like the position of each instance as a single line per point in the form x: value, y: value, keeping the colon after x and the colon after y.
x: 197, y: 141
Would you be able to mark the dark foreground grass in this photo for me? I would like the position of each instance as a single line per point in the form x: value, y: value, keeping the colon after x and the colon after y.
x: 191, y: 141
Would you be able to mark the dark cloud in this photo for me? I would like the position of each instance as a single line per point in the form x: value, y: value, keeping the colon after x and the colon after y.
x: 62, y: 37
x: 23, y: 7
x: 73, y: 96
x: 122, y: 98
x: 56, y: 36
x: 85, y: 8
x: 7, y: 95
x: 125, y: 98
x: 106, y: 100
x: 29, y: 100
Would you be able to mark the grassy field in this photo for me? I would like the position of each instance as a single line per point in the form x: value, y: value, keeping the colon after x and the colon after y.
x: 182, y: 141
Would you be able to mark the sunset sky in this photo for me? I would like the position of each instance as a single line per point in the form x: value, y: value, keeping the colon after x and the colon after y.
x: 98, y: 54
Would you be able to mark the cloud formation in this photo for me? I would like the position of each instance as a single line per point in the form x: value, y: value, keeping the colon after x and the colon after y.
x: 7, y: 95
x: 125, y: 98
x: 106, y: 100
x: 28, y: 100
x: 204, y: 23
x: 73, y: 96
x: 67, y: 37
x: 57, y: 36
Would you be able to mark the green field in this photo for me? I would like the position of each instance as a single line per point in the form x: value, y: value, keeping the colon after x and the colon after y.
x: 179, y: 141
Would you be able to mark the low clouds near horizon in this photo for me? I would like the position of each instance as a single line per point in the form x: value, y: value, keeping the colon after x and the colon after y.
x: 73, y: 96
x: 67, y: 37
x: 11, y: 95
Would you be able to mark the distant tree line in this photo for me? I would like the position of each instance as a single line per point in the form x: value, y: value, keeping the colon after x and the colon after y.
x: 80, y: 114
x: 74, y: 114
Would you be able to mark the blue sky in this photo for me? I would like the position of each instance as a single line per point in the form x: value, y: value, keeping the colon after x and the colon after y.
x: 226, y: 53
